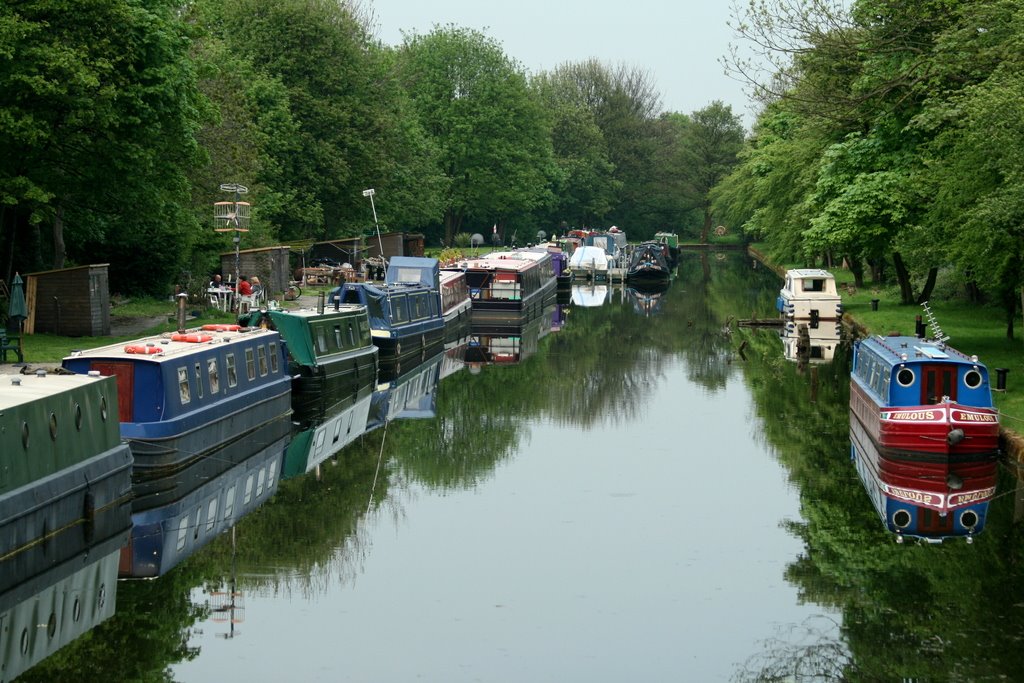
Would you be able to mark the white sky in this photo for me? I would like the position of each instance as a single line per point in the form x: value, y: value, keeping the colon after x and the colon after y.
x: 679, y: 43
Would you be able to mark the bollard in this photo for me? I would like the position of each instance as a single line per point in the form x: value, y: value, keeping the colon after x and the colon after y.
x: 1001, y: 378
x: 874, y: 304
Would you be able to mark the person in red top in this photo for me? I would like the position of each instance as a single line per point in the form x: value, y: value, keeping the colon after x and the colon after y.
x: 244, y: 288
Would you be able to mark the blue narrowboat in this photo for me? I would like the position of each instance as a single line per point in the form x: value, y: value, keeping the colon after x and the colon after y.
x: 921, y: 399
x: 195, y: 394
x: 406, y: 316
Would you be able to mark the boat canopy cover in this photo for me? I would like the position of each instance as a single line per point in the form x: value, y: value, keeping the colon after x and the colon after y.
x: 594, y: 257
x: 413, y: 270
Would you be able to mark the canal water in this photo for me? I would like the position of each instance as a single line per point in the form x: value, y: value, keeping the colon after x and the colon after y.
x: 629, y: 488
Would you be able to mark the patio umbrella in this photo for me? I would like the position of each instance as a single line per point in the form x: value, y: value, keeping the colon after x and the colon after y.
x: 17, y: 311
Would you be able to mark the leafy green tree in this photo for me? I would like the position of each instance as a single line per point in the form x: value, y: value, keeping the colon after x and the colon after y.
x: 98, y: 111
x: 491, y: 131
x: 353, y: 125
x: 708, y: 151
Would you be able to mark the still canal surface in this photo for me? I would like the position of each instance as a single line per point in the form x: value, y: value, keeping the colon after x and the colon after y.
x: 632, y: 491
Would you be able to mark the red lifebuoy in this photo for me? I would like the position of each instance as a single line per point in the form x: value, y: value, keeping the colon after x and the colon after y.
x: 193, y: 337
x: 223, y: 327
x: 138, y: 348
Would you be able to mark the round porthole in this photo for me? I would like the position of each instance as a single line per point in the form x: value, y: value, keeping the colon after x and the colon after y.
x: 969, y: 519
x: 53, y: 426
x: 78, y: 417
x: 905, y: 377
x: 103, y: 408
x: 901, y: 519
x: 24, y: 435
x: 972, y: 378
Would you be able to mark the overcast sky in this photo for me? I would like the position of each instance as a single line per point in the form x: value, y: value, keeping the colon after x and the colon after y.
x: 679, y: 43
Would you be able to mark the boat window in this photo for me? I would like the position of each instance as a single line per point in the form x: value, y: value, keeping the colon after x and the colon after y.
x: 250, y: 364
x: 232, y: 373
x: 213, y: 375
x: 351, y: 335
x: 337, y: 337
x: 183, y: 389
x: 229, y: 502
x: 211, y: 515
x: 182, y: 532
x: 260, y: 480
x: 320, y: 436
x: 273, y: 358
x: 337, y: 431
x: 261, y: 351
x: 24, y: 435
x: 78, y: 417
x: 972, y: 378
x: 905, y: 377
x: 399, y: 309
x: 271, y: 473
x: 248, y: 490
x: 321, y: 340
x: 103, y: 408
x: 199, y: 380
x: 53, y: 426
x: 814, y: 285
x: 195, y: 525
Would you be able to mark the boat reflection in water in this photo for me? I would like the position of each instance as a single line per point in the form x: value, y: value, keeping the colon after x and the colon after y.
x: 924, y: 499
x: 49, y: 610
x: 411, y: 394
x: 321, y: 434
x: 803, y: 342
x: 508, y: 344
x: 589, y: 295
x: 175, y: 516
x: 647, y: 299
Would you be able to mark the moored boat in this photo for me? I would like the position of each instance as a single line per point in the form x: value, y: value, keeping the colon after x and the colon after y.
x: 648, y: 265
x: 809, y: 294
x: 670, y: 240
x: 932, y: 501
x: 591, y: 264
x: 920, y: 399
x: 802, y: 343
x: 511, y: 285
x: 455, y: 302
x: 65, y: 475
x: 330, y: 352
x: 406, y: 319
x: 203, y: 393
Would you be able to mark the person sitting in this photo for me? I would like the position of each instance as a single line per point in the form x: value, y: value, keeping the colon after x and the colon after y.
x: 217, y: 282
x: 244, y: 288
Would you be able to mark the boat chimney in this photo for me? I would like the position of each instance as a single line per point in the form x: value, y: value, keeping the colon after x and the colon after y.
x: 321, y: 299
x: 182, y: 300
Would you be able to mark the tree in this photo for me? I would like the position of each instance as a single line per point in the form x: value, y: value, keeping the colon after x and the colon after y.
x: 493, y: 136
x: 709, y: 149
x: 96, y: 137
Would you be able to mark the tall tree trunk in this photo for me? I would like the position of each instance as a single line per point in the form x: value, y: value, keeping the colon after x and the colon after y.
x: 705, y: 230
x: 58, y: 237
x: 903, y: 277
x: 857, y: 268
x: 929, y: 285
x: 7, y: 228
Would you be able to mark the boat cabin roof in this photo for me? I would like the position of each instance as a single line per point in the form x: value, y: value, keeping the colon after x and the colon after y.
x: 343, y: 309
x: 412, y: 270
x: 803, y: 273
x: 174, y: 345
x: 502, y: 263
x: 17, y: 390
x: 892, y: 349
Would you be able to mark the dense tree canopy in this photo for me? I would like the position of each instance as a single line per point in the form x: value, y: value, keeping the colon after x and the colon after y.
x: 119, y: 120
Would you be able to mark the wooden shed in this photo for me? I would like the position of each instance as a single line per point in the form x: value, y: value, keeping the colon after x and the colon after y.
x: 413, y: 243
x: 270, y: 264
x: 347, y: 250
x: 393, y: 242
x: 72, y: 302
